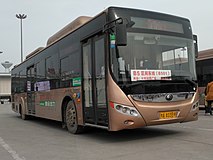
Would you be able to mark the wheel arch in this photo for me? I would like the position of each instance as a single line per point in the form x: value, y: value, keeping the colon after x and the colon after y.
x: 21, y: 105
x: 63, y: 107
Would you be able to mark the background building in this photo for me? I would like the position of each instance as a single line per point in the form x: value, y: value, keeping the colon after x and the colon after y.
x: 5, y: 83
x: 5, y: 87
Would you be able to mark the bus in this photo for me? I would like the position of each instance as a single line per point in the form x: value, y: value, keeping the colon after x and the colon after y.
x: 204, y: 68
x: 122, y: 69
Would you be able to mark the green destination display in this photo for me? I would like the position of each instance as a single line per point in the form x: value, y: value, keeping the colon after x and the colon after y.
x: 76, y: 82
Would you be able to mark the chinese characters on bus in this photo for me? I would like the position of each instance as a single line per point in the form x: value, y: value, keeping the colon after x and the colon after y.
x: 142, y: 75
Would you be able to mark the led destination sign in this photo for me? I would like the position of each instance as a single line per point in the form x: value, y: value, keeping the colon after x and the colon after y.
x: 146, y: 23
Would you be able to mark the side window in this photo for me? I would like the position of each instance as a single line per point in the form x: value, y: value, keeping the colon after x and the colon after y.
x: 99, y: 51
x: 70, y: 68
x: 52, y: 71
x: 87, y: 74
x: 75, y: 64
x: 70, y: 60
x: 22, y: 81
x: 100, y: 72
x: 15, y: 82
x: 40, y: 70
x: 65, y: 72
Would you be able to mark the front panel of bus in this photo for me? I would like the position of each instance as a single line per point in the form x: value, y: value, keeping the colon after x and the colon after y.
x: 152, y: 78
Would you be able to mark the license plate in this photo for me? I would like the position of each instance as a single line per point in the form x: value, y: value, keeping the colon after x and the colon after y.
x: 168, y: 115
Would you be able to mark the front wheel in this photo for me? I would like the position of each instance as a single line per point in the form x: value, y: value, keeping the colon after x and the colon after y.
x: 71, y: 119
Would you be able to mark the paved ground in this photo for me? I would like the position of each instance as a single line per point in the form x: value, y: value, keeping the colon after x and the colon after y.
x: 40, y: 139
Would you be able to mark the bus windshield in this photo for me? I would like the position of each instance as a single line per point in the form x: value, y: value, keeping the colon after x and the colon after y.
x: 153, y: 57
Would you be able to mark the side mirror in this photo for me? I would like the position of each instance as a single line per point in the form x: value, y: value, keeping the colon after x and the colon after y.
x: 195, y: 45
x: 121, y: 35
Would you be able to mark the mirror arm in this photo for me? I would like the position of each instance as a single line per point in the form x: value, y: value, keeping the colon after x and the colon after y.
x: 112, y: 24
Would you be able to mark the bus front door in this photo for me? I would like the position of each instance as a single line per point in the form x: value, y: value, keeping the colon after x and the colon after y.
x: 95, y: 108
x: 30, y: 90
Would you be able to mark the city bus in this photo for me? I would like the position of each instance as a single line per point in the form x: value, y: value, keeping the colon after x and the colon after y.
x: 122, y: 69
x: 204, y: 68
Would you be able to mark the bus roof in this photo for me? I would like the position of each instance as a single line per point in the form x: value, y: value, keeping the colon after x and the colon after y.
x: 62, y: 33
x: 205, y: 54
x: 68, y: 29
x: 34, y: 52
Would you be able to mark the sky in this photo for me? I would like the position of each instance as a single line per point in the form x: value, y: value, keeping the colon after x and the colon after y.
x: 46, y: 17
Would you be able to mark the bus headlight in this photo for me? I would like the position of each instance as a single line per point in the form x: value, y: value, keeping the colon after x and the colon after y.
x: 133, y: 113
x: 127, y: 110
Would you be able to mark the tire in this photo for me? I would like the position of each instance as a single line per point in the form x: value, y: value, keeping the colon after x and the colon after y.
x: 71, y: 119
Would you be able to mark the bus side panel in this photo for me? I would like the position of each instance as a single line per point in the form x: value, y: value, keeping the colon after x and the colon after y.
x: 48, y: 104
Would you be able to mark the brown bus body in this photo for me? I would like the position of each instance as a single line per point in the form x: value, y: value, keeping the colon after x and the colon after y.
x: 72, y: 80
x: 149, y: 112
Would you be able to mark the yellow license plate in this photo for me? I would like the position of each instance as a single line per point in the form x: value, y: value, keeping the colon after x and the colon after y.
x: 168, y: 115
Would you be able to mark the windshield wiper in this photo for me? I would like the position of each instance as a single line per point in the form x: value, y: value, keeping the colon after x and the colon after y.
x: 186, y: 79
x: 136, y: 83
x: 133, y: 84
x: 191, y: 82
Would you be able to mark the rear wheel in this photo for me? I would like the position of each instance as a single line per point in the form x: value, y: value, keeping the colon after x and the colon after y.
x: 71, y: 119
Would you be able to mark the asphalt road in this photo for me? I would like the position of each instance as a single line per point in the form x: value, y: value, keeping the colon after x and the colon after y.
x: 40, y: 139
